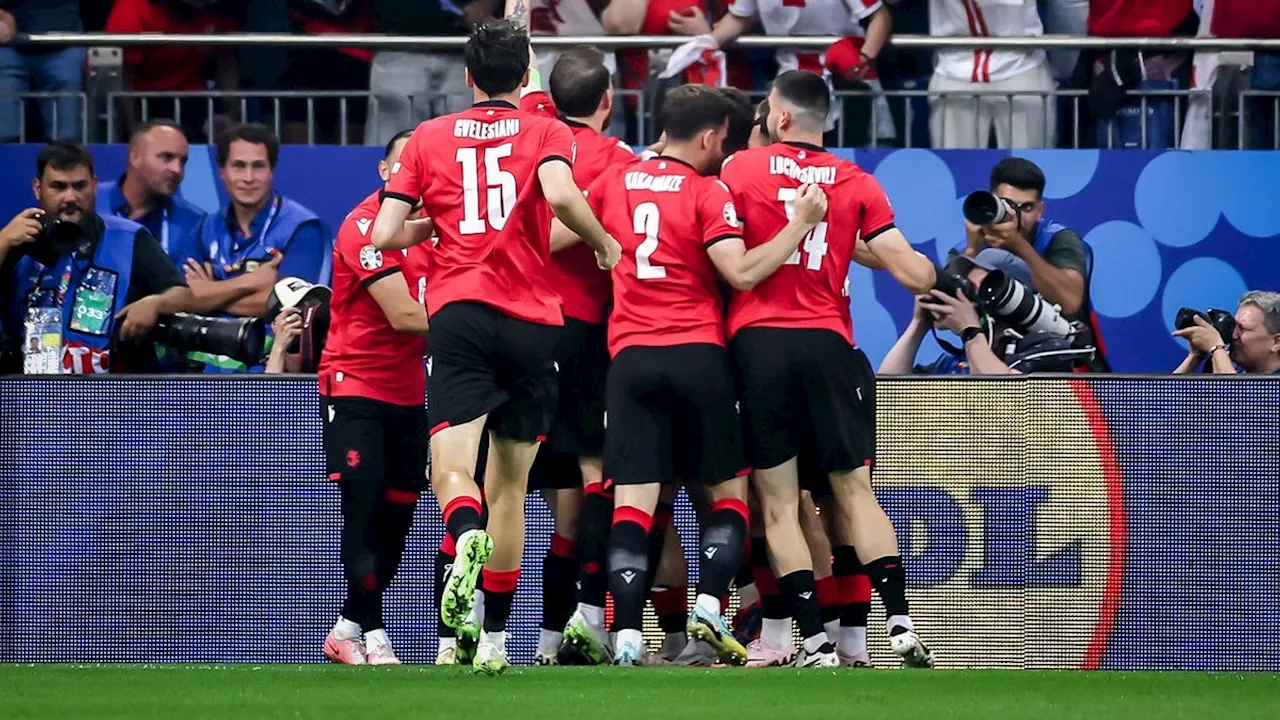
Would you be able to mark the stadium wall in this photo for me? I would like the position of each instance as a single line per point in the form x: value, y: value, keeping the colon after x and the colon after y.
x: 1111, y: 523
x: 1168, y: 229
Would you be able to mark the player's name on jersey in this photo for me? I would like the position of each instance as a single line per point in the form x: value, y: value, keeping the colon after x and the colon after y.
x: 476, y: 130
x: 802, y: 173
x: 654, y: 183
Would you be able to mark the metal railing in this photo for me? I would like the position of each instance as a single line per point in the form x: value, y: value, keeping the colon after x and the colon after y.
x: 110, y: 108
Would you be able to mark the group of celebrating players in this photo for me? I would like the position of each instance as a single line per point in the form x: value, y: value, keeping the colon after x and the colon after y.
x: 697, y: 291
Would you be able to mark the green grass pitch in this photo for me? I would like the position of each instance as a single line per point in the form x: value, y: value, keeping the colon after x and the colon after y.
x: 193, y: 692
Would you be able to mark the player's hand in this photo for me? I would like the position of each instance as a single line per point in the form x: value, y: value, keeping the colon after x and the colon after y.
x: 811, y: 204
x: 690, y: 21
x: 23, y: 228
x: 139, y: 317
x: 611, y: 255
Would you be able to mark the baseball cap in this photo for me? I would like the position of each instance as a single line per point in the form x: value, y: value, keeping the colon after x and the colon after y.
x: 995, y: 259
x: 295, y: 292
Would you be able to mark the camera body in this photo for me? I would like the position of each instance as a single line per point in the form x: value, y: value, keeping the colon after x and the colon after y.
x: 984, y: 208
x: 1221, y: 320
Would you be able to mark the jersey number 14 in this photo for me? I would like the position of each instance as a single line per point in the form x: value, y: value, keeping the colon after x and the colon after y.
x: 815, y: 243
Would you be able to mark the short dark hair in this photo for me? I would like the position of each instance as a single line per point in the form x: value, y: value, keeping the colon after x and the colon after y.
x: 806, y: 91
x: 63, y: 155
x: 762, y: 110
x: 397, y: 138
x: 497, y: 56
x: 741, y: 119
x: 579, y: 81
x: 252, y: 133
x: 150, y: 125
x: 690, y: 109
x: 1020, y: 173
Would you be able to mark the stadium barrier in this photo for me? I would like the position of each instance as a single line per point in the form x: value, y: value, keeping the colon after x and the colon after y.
x: 1057, y: 522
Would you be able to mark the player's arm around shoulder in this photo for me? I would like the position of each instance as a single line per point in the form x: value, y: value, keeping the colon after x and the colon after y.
x: 744, y: 269
x: 380, y: 273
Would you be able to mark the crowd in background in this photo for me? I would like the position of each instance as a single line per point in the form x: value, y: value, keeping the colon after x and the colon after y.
x: 366, y: 96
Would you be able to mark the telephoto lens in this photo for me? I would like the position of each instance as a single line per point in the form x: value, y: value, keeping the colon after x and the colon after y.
x: 983, y: 208
x: 1019, y: 307
x: 240, y: 338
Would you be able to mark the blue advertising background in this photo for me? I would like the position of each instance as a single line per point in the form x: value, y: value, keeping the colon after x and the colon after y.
x: 1168, y: 229
x: 1045, y: 522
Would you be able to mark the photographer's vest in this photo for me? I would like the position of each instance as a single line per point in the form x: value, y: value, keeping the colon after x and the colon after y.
x: 176, y: 223
x: 88, y: 293
x: 283, y: 218
x: 1045, y: 230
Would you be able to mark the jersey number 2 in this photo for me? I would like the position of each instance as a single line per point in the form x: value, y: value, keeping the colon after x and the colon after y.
x: 501, y: 189
x: 645, y: 222
x: 815, y: 243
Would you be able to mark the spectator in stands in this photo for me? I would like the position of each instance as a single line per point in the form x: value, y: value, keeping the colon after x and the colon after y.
x: 92, y: 287
x: 957, y: 120
x: 147, y: 193
x: 51, y: 70
x: 985, y: 340
x: 1064, y: 17
x: 1110, y: 119
x: 174, y: 69
x: 867, y: 20
x: 1237, y: 19
x: 409, y: 87
x: 337, y: 119
x: 259, y: 236
x: 1255, y: 343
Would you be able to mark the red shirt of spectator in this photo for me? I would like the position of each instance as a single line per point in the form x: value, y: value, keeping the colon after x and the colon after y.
x: 358, y: 20
x: 1246, y: 19
x: 657, y: 15
x: 167, y: 69
x: 1137, y: 18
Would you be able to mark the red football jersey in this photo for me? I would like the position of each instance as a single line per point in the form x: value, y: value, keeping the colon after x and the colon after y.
x: 476, y: 173
x: 583, y: 286
x: 364, y: 356
x: 665, y: 215
x: 808, y: 291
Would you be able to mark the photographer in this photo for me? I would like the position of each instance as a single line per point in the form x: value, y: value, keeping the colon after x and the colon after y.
x: 1254, y: 344
x: 996, y: 342
x: 80, y: 290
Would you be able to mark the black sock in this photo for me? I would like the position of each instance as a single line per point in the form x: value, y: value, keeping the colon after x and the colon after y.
x: 744, y: 576
x: 889, y: 579
x: 444, y: 558
x: 671, y: 605
x: 361, y: 501
x: 499, y: 591
x: 461, y: 515
x: 723, y: 543
x: 593, y: 545
x: 846, y: 569
x: 801, y: 592
x: 393, y: 531
x: 658, y: 535
x: 358, y: 606
x: 559, y: 572
x: 628, y: 566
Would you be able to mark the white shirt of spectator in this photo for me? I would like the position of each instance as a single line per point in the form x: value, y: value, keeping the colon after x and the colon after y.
x: 565, y: 18
x: 985, y: 18
x: 784, y: 18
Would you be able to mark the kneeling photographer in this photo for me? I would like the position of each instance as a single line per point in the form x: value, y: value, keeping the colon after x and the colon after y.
x: 83, y: 293
x: 1011, y: 216
x: 1005, y: 329
x: 1221, y: 342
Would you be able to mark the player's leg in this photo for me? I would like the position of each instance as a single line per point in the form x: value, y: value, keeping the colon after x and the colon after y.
x: 815, y: 536
x: 353, y: 453
x: 405, y: 450
x: 559, y: 567
x: 845, y: 391
x: 746, y: 621
x: 709, y: 430
x: 526, y: 373
x: 670, y: 592
x: 855, y: 589
x: 593, y: 543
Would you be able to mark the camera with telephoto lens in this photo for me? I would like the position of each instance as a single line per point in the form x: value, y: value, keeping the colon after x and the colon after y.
x: 1221, y: 320
x: 1018, y: 306
x: 238, y: 338
x: 984, y: 208
x: 58, y: 237
x: 953, y: 283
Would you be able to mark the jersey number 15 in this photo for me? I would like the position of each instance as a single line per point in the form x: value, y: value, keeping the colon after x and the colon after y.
x: 815, y: 243
x: 501, y: 190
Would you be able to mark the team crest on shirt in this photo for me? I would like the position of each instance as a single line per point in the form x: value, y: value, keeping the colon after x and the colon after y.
x: 370, y: 257
x: 731, y: 214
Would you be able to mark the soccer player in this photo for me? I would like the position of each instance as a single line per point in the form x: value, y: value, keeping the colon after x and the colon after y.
x: 669, y: 392
x: 568, y: 467
x: 490, y: 178
x: 803, y: 380
x: 372, y: 386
